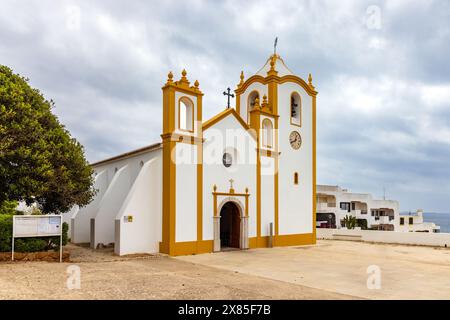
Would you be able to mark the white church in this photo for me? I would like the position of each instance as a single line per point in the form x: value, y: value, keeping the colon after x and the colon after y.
x: 242, y: 179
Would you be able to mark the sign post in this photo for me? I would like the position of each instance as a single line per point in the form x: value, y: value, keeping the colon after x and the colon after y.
x: 28, y: 226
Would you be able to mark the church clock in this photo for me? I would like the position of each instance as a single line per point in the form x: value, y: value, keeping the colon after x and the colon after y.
x: 295, y: 140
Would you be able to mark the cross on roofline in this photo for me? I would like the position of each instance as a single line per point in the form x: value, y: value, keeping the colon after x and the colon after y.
x: 228, y: 94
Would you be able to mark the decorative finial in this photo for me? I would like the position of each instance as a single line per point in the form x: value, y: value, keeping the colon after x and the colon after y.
x: 231, y: 186
x: 214, y: 188
x: 265, y: 103
x: 273, y: 61
x: 242, y: 79
x: 246, y: 190
x: 170, y: 77
x: 184, y: 81
x: 256, y: 102
x: 196, y: 84
x: 310, y: 81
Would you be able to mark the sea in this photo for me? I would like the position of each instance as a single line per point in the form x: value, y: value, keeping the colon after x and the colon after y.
x: 441, y: 219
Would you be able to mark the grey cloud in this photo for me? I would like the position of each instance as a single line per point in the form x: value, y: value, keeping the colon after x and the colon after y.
x: 374, y: 128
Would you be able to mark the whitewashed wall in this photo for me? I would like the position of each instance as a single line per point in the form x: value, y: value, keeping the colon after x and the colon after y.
x: 80, y: 220
x: 267, y: 195
x: 110, y: 204
x: 144, y: 204
x: 243, y: 170
x: 186, y: 193
x: 411, y: 238
x: 107, y: 209
x: 296, y: 204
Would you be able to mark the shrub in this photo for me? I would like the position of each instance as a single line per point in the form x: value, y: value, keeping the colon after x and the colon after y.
x: 350, y: 222
x: 27, y: 244
x: 8, y: 207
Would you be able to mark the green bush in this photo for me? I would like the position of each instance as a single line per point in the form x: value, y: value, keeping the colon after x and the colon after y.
x: 27, y: 244
x: 5, y: 232
x: 350, y: 222
x: 8, y: 207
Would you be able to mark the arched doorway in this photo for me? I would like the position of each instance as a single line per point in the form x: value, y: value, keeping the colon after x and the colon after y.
x: 230, y: 226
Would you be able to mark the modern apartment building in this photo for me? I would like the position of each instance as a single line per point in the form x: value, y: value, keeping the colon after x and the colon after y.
x: 335, y: 203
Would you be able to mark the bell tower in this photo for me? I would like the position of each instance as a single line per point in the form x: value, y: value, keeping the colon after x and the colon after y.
x: 281, y: 108
x: 181, y: 154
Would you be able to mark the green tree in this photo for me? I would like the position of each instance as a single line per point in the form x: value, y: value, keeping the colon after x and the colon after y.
x: 8, y: 207
x: 39, y: 161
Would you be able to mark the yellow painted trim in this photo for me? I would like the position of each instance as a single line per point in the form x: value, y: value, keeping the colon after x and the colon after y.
x: 192, y: 247
x: 223, y: 115
x: 248, y: 104
x: 268, y: 153
x: 199, y: 172
x: 168, y: 205
x: 256, y: 120
x: 182, y: 138
x: 314, y: 183
x: 258, y: 242
x: 294, y: 239
x: 231, y: 194
x: 273, y: 100
x: 276, y: 183
x: 276, y: 79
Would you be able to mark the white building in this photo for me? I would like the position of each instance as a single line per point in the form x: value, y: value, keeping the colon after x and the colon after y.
x: 413, y: 222
x: 335, y: 203
x: 243, y: 179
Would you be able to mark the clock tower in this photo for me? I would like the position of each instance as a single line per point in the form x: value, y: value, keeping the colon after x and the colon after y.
x: 281, y: 108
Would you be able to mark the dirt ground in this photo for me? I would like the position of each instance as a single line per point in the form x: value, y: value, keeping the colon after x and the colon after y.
x: 405, y: 272
x: 105, y: 276
x: 328, y: 270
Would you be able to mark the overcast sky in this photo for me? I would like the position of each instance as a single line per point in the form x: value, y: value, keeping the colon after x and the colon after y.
x: 381, y: 68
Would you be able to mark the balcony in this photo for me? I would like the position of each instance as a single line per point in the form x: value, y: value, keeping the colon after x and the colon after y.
x: 325, y: 206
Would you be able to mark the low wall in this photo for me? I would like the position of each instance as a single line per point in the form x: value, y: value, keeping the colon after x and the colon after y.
x: 411, y: 238
x: 50, y: 256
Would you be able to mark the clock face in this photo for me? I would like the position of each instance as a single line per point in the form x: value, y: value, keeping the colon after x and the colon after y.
x: 295, y: 140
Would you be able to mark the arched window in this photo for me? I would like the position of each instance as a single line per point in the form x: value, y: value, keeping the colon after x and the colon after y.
x: 296, y: 109
x: 185, y: 114
x: 251, y: 102
x: 296, y: 178
x: 267, y: 133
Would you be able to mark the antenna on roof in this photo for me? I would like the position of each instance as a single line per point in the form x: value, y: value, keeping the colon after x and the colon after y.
x: 384, y: 193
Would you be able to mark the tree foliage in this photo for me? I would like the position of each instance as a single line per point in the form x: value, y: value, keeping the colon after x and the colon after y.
x: 39, y: 160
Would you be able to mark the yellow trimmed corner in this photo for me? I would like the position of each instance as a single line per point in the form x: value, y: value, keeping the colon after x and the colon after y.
x: 192, y: 247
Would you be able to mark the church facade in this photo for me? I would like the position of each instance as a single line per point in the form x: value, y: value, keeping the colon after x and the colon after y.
x: 243, y: 179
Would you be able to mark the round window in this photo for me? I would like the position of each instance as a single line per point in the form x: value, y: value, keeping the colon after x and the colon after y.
x: 227, y: 160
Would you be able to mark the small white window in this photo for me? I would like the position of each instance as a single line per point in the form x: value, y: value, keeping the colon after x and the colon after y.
x: 186, y: 114
x: 267, y: 133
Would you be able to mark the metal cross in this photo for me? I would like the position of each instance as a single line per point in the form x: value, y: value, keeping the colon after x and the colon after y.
x: 229, y: 95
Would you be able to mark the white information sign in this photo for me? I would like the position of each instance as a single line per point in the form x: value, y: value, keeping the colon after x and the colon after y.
x: 37, y: 226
